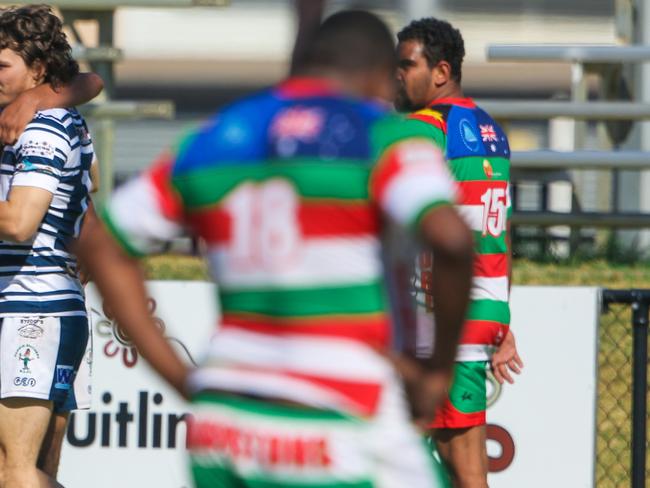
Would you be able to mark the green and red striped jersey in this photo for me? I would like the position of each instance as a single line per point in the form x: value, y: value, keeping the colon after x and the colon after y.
x: 291, y: 190
x: 478, y: 156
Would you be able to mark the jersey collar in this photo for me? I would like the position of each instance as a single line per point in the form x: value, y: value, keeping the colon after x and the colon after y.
x: 306, y: 87
x: 461, y: 102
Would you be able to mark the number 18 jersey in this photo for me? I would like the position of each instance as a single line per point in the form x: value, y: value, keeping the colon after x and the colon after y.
x: 478, y: 155
x: 290, y: 190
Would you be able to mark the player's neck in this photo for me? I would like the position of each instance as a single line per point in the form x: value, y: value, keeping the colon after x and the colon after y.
x: 447, y: 91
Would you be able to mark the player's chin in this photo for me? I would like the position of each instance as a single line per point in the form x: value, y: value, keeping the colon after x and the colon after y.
x: 402, y: 102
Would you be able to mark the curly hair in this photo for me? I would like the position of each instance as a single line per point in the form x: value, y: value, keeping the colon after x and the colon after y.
x: 36, y: 35
x: 440, y: 40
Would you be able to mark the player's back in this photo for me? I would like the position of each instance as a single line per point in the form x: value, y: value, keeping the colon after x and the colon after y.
x: 278, y: 187
x: 478, y: 154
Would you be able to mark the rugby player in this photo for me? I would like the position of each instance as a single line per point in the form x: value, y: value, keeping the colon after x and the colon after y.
x: 430, y: 55
x: 293, y: 190
x: 44, y: 184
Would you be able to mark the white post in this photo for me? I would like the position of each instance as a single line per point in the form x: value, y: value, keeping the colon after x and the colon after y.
x: 634, y: 186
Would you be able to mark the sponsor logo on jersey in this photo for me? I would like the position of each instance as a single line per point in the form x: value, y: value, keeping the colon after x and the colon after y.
x: 487, y: 168
x: 31, y: 328
x: 35, y: 148
x: 468, y: 136
x: 488, y: 134
x: 64, y: 377
x: 24, y: 381
x: 26, y: 354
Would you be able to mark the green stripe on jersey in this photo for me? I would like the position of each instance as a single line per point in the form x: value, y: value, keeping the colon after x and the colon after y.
x: 342, y: 300
x: 118, y: 235
x: 342, y: 179
x: 471, y: 168
x: 250, y: 405
x: 215, y: 475
x: 492, y: 310
x: 393, y: 129
x: 489, y: 244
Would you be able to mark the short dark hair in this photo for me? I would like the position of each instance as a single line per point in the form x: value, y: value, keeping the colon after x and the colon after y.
x: 36, y: 35
x: 440, y: 40
x: 351, y: 41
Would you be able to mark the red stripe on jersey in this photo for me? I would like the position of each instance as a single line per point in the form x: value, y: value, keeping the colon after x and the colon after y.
x: 373, y: 330
x: 440, y: 124
x: 483, y: 332
x: 491, y: 265
x: 364, y: 395
x: 461, y: 102
x: 315, y: 220
x: 168, y: 198
x: 471, y: 192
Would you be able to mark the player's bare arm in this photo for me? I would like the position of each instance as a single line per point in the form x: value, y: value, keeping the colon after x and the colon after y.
x: 22, y: 212
x: 309, y: 14
x: 120, y: 280
x: 506, y: 358
x: 15, y: 116
x: 451, y: 243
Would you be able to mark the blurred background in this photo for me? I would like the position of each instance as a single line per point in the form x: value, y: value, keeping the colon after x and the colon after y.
x: 197, y: 55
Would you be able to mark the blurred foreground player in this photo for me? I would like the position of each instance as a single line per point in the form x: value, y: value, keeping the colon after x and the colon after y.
x: 44, y: 187
x: 291, y: 190
x: 430, y: 53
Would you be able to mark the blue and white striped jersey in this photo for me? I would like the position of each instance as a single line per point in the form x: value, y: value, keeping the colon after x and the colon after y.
x: 39, y: 277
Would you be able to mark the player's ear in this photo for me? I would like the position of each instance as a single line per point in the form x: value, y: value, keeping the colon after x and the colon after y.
x: 441, y: 73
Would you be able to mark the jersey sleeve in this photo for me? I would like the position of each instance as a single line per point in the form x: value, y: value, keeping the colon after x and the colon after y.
x: 145, y: 213
x: 41, y: 153
x: 410, y: 178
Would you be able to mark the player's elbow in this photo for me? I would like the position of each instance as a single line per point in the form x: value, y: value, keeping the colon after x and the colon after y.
x: 95, y: 84
x: 18, y: 231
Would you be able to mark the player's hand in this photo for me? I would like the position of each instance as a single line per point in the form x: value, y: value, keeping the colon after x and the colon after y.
x: 15, y: 117
x: 506, y: 360
x: 425, y: 389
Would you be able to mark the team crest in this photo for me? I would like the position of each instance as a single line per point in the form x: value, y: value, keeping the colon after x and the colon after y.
x: 26, y: 354
x: 468, y: 136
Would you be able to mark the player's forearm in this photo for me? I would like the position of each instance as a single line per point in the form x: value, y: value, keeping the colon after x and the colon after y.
x: 451, y: 243
x: 309, y: 14
x: 82, y: 89
x: 120, y: 281
x: 16, y: 224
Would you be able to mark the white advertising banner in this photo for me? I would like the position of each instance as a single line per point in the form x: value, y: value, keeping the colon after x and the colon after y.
x: 541, y: 430
x: 134, y: 435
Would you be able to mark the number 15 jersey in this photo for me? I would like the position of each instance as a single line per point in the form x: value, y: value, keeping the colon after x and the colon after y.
x: 478, y: 155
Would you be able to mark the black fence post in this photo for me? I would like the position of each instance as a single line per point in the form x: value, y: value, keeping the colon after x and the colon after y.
x: 639, y: 392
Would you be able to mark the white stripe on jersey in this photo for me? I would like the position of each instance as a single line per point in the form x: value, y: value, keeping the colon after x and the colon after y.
x: 317, y: 262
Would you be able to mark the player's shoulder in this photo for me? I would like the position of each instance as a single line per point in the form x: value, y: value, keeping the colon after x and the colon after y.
x: 394, y: 128
x: 235, y: 134
x: 56, y: 119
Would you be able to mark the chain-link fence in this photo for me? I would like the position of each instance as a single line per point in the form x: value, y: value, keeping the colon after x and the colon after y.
x: 614, y: 438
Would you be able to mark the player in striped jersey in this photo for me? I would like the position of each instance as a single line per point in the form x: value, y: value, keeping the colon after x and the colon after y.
x: 292, y: 190
x: 44, y: 183
x: 430, y: 53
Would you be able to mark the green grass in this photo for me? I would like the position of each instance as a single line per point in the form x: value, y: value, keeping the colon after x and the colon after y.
x: 525, y: 272
x: 614, y: 360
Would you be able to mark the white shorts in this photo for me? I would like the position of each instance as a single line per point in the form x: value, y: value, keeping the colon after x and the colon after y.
x: 40, y: 357
x: 234, y: 440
